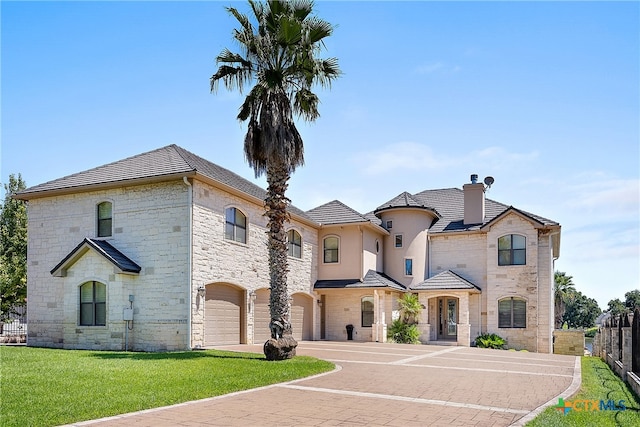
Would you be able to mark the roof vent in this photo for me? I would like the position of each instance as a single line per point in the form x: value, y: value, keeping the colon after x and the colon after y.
x: 474, y: 178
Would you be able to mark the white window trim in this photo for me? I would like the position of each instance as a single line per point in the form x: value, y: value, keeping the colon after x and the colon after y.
x: 401, y: 240
x: 404, y: 265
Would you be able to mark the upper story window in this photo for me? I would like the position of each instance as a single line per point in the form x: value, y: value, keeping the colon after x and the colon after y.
x: 389, y: 224
x: 398, y: 240
x: 93, y: 304
x: 408, y: 267
x: 366, y: 309
x: 235, y: 226
x: 295, y: 243
x: 331, y: 247
x: 105, y: 219
x: 512, y: 313
x: 512, y: 250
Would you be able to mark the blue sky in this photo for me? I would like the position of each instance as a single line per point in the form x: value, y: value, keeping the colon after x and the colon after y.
x: 542, y: 96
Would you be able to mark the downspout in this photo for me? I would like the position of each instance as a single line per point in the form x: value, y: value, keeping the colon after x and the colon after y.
x: 190, y: 260
x: 429, y: 255
x: 361, y: 254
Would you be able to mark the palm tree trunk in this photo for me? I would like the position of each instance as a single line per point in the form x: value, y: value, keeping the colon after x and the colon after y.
x: 281, y: 345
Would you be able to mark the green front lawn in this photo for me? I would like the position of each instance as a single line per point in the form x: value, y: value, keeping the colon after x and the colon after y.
x: 45, y: 387
x: 598, y: 383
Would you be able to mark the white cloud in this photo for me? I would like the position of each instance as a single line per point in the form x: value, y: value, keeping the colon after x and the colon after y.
x: 412, y: 156
x: 433, y: 67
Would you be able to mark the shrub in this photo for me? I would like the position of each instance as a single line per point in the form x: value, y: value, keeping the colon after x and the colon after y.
x: 403, y: 333
x: 591, y: 332
x: 490, y: 341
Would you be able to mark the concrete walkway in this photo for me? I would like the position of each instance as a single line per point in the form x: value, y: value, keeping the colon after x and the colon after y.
x: 377, y: 384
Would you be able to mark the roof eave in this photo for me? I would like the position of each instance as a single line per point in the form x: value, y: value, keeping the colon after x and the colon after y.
x: 102, y: 186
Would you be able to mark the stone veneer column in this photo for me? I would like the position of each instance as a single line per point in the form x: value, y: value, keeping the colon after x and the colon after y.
x: 423, y: 320
x: 464, y: 327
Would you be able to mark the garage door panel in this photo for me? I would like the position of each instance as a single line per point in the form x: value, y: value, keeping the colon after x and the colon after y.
x: 261, y: 317
x: 223, y: 315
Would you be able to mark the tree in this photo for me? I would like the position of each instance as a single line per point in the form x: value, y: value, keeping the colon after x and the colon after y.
x: 13, y: 249
x: 581, y: 311
x: 616, y: 307
x: 563, y: 287
x: 280, y: 56
x: 632, y: 300
x: 405, y: 329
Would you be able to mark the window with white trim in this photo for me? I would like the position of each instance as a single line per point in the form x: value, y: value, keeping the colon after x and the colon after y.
x: 398, y: 240
x: 408, y: 267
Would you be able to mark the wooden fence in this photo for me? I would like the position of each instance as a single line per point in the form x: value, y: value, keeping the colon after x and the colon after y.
x: 617, y: 342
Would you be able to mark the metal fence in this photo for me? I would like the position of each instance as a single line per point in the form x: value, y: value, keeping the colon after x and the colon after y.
x: 618, y: 343
x: 14, y: 329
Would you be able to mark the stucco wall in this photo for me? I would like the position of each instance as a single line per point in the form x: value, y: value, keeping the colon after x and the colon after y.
x: 350, y: 259
x: 412, y: 224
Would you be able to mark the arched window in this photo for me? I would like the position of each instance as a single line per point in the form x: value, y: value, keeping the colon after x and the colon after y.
x: 366, y: 309
x: 512, y: 250
x: 331, y: 249
x: 295, y: 243
x: 235, y: 226
x: 93, y: 304
x: 512, y: 313
x: 105, y: 219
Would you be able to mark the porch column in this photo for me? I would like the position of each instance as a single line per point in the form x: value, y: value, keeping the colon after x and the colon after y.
x: 423, y: 321
x: 464, y: 327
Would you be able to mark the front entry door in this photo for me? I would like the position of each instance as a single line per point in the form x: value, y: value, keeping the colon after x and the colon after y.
x: 447, y: 318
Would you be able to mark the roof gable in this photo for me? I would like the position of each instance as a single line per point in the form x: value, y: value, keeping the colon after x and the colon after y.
x: 122, y: 263
x: 446, y: 281
x: 372, y: 279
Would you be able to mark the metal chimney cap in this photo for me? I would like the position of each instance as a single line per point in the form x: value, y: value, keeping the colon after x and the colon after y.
x: 474, y: 178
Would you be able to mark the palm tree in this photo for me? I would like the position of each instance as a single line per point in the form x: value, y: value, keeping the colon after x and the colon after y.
x: 280, y: 56
x: 563, y: 289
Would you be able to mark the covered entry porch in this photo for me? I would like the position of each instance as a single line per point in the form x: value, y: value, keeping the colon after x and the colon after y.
x: 450, y: 303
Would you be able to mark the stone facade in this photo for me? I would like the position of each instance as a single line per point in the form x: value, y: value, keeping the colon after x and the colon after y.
x: 194, y: 283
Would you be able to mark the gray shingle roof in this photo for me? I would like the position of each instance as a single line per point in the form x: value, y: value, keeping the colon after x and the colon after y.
x: 449, y: 204
x: 104, y: 248
x: 372, y: 279
x: 335, y: 212
x: 447, y: 280
x: 405, y: 200
x: 168, y: 161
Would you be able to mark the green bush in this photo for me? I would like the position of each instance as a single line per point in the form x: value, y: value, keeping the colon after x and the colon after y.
x: 490, y: 341
x: 591, y: 332
x: 403, y: 333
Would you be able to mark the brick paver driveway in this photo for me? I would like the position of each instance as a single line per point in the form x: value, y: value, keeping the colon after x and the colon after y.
x: 378, y: 384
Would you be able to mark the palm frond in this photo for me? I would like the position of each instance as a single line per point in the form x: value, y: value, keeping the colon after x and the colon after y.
x: 317, y: 30
x: 242, y: 19
x: 305, y: 104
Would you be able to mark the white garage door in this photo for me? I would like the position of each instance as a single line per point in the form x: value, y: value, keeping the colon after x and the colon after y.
x: 223, y: 315
x: 261, y: 317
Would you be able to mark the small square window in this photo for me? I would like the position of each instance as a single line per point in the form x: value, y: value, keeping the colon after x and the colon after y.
x: 389, y: 224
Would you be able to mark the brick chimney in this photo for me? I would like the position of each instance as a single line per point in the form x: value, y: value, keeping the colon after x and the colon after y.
x: 473, y: 201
